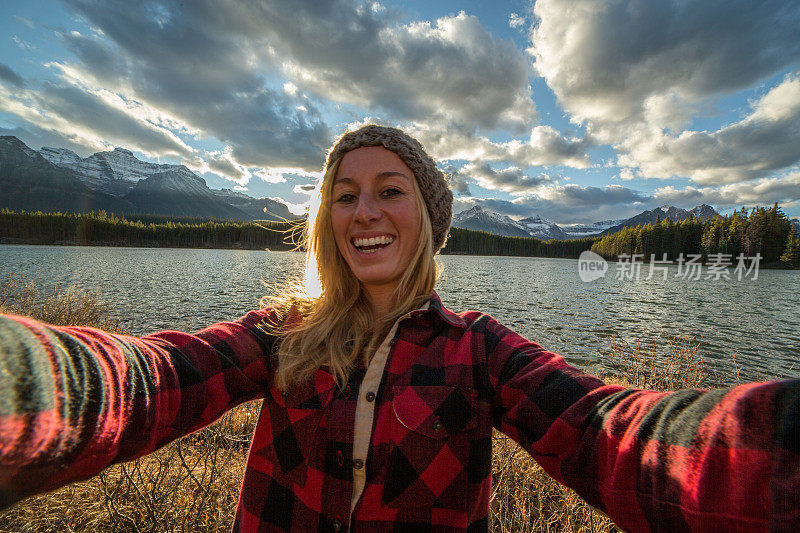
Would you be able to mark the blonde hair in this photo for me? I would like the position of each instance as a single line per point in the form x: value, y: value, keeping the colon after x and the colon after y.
x: 326, y: 320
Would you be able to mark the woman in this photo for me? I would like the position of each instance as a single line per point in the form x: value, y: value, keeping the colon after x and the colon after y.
x: 380, y: 402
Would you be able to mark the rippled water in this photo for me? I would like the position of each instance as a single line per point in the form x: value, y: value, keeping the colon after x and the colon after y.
x: 755, y: 322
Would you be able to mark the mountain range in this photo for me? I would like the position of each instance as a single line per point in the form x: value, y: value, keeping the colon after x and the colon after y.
x: 675, y: 214
x: 479, y: 219
x: 57, y: 179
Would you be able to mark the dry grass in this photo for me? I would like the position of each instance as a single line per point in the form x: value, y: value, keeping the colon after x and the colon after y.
x: 526, y: 499
x: 193, y: 484
x: 666, y: 363
x: 58, y: 305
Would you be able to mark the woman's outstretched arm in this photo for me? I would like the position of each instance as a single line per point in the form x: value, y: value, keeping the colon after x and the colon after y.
x: 718, y: 460
x: 73, y: 400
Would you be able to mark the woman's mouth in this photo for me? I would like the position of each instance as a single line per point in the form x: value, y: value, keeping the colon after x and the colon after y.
x: 373, y: 244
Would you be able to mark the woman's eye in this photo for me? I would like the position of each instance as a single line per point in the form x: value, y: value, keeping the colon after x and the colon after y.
x: 345, y: 198
x: 391, y: 192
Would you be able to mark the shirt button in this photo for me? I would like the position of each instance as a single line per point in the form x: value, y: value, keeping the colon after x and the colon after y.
x: 370, y: 396
x: 437, y: 425
x: 358, y: 464
x: 337, y: 525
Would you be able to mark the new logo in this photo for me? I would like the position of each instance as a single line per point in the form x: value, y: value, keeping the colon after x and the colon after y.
x: 591, y: 266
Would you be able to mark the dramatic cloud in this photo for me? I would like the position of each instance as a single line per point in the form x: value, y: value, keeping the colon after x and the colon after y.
x: 181, y: 64
x: 459, y: 181
x: 638, y: 73
x: 350, y: 54
x: 255, y: 91
x: 516, y: 20
x: 512, y: 179
x: 296, y: 209
x: 766, y: 140
x: 278, y: 174
x: 607, y: 60
x: 89, y: 119
x: 303, y: 189
x: 9, y: 76
x: 545, y: 146
x: 576, y: 196
x: 783, y: 189
x: 222, y: 164
x: 209, y: 70
x: 448, y: 141
x: 36, y: 138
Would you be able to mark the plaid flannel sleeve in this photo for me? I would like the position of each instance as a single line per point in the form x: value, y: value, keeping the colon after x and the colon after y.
x: 692, y: 460
x: 74, y: 400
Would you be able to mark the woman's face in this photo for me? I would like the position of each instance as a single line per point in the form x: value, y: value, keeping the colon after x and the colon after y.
x: 375, y: 217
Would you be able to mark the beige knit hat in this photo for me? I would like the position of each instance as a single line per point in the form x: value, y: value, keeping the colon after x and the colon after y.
x: 431, y: 181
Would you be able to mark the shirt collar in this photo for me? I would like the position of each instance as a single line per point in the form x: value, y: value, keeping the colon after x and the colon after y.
x: 435, y: 305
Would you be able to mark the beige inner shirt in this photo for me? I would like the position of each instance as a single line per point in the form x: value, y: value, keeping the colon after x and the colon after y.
x: 365, y: 410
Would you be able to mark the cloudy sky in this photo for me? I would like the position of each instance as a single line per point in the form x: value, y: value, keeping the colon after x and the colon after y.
x: 577, y: 111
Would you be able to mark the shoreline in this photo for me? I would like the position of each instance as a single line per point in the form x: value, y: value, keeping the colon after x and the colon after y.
x: 242, y: 246
x: 117, y: 244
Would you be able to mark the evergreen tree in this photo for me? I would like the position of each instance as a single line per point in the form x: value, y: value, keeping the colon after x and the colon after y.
x: 791, y: 255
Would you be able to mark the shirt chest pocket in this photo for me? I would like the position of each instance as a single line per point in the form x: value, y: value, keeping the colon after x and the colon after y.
x: 297, y: 420
x: 430, y: 446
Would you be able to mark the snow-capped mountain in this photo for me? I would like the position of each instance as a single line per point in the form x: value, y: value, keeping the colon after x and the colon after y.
x: 675, y: 214
x: 796, y: 225
x: 542, y: 229
x: 117, y: 181
x: 30, y: 182
x: 579, y: 231
x: 115, y: 164
x: 703, y: 212
x: 93, y: 172
x: 115, y: 172
x: 477, y: 219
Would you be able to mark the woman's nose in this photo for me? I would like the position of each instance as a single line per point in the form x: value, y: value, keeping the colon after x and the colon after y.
x: 367, y: 209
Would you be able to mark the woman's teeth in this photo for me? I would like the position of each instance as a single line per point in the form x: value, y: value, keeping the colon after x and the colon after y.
x: 373, y: 244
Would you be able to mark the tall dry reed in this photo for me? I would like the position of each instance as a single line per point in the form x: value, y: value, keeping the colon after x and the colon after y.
x: 665, y: 363
x: 65, y: 306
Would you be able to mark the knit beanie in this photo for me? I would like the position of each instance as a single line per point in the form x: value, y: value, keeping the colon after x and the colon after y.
x: 432, y: 184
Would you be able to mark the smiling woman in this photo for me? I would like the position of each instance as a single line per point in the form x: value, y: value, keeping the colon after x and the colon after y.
x: 376, y: 217
x: 380, y: 403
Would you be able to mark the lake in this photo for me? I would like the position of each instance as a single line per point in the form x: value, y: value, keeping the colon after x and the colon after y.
x: 756, y: 322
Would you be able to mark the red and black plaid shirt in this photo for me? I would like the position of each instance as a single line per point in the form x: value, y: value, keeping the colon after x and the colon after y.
x: 74, y: 400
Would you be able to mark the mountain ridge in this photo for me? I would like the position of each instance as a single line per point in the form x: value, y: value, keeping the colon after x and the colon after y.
x: 675, y: 214
x: 59, y: 179
x: 479, y: 219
